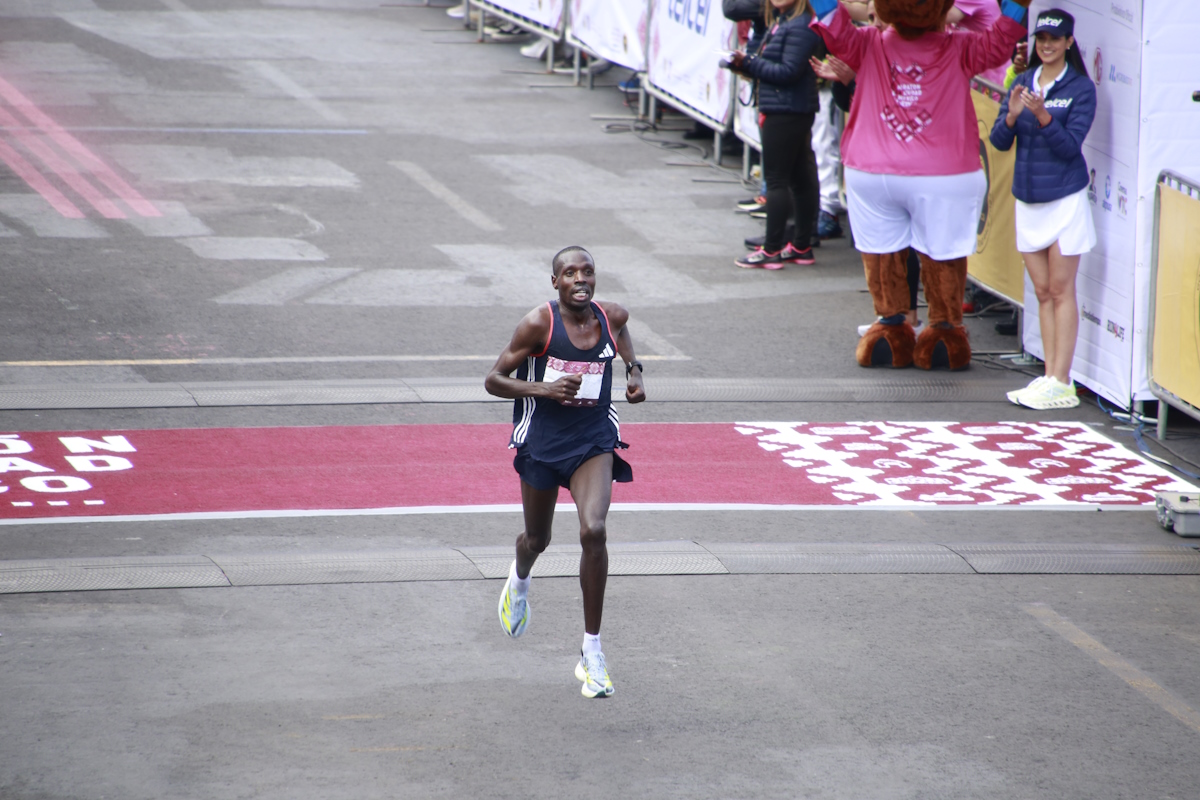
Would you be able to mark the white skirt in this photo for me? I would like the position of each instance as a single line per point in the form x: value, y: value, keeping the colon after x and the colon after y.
x: 1067, y: 220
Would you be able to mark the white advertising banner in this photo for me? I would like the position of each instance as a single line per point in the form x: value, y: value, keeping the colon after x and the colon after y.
x: 545, y: 14
x: 1109, y: 35
x: 612, y: 29
x: 1170, y: 122
x: 687, y: 39
x: 745, y: 115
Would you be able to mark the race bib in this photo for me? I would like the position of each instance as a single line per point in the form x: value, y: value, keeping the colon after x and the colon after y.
x: 593, y: 379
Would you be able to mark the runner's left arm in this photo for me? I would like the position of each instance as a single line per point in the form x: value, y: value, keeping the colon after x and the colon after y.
x: 618, y: 316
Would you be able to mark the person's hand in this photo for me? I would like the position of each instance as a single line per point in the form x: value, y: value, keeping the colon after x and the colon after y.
x: 1015, y: 105
x: 832, y: 69
x: 1035, y: 103
x: 565, y: 388
x: 1020, y: 61
x: 634, y: 391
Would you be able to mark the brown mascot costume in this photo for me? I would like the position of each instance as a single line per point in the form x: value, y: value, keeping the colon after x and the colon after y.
x: 913, y: 175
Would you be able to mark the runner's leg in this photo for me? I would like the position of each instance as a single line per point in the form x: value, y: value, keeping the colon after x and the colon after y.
x: 591, y: 487
x: 538, y: 506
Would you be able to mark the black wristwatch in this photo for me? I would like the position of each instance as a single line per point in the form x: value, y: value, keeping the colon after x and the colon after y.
x: 629, y: 368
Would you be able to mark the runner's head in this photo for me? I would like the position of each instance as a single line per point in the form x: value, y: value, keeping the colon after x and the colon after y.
x: 574, y: 277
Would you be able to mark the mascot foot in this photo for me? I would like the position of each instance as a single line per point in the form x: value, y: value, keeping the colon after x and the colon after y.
x: 886, y: 346
x: 941, y: 347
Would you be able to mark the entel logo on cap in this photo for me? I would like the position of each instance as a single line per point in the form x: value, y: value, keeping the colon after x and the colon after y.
x: 1055, y: 21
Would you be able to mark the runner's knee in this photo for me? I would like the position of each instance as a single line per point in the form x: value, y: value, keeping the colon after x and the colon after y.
x: 593, y: 534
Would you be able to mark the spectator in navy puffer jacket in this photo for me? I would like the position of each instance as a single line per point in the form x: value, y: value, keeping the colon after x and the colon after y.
x: 787, y: 105
x: 1049, y: 112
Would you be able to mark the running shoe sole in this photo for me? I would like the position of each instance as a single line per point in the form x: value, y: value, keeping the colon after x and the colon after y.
x: 599, y: 691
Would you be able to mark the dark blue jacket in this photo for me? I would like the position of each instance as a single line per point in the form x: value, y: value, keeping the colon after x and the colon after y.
x: 1050, y: 163
x: 786, y: 83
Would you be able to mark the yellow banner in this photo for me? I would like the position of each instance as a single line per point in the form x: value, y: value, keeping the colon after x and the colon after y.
x: 996, y: 264
x: 1175, y: 357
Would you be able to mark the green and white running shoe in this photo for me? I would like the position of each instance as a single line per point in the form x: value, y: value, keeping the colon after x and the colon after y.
x: 1015, y: 395
x: 1051, y: 395
x: 514, y: 608
x: 594, y: 674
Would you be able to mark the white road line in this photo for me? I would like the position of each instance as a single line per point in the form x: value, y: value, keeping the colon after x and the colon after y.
x: 444, y: 193
x: 278, y: 289
x: 192, y: 18
x: 252, y: 248
x: 1115, y: 664
x: 169, y: 362
x: 277, y: 77
x: 516, y: 509
x: 643, y: 336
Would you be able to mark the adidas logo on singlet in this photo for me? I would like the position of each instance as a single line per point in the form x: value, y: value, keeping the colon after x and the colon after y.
x: 607, y: 352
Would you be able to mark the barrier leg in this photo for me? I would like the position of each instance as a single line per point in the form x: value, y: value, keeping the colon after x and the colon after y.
x: 591, y: 75
x: 550, y: 59
x: 745, y: 162
x: 575, y: 64
x: 1162, y: 420
x: 482, y: 20
x: 642, y: 104
x: 717, y: 142
x: 652, y: 112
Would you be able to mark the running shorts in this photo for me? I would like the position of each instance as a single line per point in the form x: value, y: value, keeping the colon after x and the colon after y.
x: 1067, y: 220
x: 937, y: 215
x: 549, y: 474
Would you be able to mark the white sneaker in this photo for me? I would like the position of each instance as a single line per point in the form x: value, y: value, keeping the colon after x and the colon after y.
x: 1034, y: 385
x: 594, y: 674
x: 514, y: 608
x: 536, y: 49
x: 1050, y: 395
x: 457, y: 12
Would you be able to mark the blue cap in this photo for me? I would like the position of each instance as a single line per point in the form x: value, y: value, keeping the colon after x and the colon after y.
x: 1055, y: 22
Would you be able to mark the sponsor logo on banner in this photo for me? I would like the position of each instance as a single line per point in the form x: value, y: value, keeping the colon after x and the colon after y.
x: 1122, y: 200
x: 1115, y: 329
x: 1088, y: 315
x: 1121, y: 12
x: 1098, y: 67
x: 1092, y: 186
x: 1106, y: 205
x: 1116, y: 76
x: 692, y: 13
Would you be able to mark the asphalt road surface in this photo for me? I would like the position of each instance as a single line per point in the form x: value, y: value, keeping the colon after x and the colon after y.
x: 238, y: 234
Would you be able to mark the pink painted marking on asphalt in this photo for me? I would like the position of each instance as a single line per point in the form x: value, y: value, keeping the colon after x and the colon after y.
x: 77, y: 149
x: 67, y: 172
x: 28, y: 173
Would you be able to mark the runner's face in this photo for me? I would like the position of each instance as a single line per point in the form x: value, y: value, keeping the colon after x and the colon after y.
x: 576, y: 281
x: 1052, y: 49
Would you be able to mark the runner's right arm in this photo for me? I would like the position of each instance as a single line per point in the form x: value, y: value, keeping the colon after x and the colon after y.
x: 529, y: 338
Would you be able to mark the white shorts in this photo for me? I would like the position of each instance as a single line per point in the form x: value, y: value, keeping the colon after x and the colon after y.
x: 1067, y: 220
x: 936, y: 214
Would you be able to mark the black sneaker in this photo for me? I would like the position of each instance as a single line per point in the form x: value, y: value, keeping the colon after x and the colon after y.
x: 761, y: 259
x: 792, y: 255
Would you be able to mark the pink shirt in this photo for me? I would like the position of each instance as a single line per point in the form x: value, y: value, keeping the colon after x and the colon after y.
x: 978, y: 16
x: 912, y: 112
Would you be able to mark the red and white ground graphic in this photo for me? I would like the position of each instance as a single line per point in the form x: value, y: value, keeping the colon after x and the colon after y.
x: 237, y: 472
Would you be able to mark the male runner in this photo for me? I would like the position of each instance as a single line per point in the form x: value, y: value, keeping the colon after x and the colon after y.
x: 565, y: 432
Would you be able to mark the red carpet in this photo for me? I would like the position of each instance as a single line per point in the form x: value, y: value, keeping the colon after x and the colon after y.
x: 144, y: 472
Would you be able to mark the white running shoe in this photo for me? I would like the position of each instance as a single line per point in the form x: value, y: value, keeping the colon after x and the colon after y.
x: 1034, y: 385
x: 594, y: 674
x: 457, y: 12
x: 514, y: 609
x: 1050, y: 395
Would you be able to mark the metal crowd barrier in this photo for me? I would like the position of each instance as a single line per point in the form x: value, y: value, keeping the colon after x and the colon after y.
x: 1173, y: 344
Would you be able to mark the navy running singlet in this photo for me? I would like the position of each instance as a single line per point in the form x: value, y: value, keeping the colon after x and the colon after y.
x: 551, y: 431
